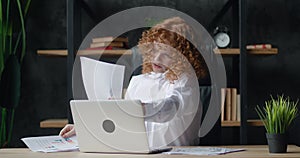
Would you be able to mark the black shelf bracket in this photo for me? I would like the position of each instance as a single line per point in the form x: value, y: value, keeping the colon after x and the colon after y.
x: 73, y: 39
x: 243, y: 71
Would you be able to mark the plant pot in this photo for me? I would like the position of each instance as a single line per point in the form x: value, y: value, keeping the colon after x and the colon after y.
x: 277, y: 143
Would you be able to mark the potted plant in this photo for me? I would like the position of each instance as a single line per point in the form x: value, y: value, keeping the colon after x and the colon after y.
x: 12, y: 51
x: 277, y: 115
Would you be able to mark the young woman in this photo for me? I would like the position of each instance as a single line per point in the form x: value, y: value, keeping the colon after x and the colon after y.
x: 168, y: 86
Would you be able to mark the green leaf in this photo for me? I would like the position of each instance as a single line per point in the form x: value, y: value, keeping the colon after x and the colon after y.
x: 23, y: 30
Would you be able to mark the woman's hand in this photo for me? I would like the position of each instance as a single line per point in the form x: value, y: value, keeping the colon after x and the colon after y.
x: 68, y: 131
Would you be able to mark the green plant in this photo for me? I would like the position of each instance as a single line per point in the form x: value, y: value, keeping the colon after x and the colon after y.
x: 12, y: 51
x: 278, y: 114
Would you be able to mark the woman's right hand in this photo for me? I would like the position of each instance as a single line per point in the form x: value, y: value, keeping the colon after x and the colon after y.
x: 67, y: 131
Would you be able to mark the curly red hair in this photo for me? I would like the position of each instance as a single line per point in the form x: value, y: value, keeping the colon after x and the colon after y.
x: 172, y: 33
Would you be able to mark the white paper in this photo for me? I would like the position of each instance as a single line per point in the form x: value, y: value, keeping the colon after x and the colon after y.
x: 51, y: 143
x: 202, y: 151
x: 102, y: 80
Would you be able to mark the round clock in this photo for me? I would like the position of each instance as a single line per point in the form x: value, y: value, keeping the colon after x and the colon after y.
x: 221, y: 37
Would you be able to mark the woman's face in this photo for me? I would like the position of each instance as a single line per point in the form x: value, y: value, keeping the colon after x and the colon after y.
x: 161, y: 60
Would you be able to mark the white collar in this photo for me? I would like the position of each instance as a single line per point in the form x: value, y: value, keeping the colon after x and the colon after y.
x: 155, y: 75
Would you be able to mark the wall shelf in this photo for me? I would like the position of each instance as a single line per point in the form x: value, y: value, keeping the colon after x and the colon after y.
x: 60, y: 123
x: 236, y: 51
x: 238, y: 123
x: 105, y: 53
x: 53, y: 123
x: 53, y: 52
x: 269, y: 51
x: 227, y: 51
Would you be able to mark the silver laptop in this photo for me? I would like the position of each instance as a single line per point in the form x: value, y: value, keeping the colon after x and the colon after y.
x: 111, y: 126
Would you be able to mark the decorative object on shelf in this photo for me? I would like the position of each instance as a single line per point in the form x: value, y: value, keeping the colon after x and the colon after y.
x: 12, y: 51
x: 277, y: 116
x: 258, y: 46
x: 221, y: 36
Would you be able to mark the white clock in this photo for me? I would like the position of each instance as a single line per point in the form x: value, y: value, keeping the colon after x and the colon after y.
x: 221, y: 37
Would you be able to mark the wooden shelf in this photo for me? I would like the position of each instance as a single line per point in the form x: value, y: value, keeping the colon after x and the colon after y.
x: 53, y: 123
x: 113, y: 53
x: 236, y: 51
x: 105, y: 53
x: 228, y: 51
x: 53, y: 52
x: 238, y: 123
x: 60, y: 123
x: 270, y: 51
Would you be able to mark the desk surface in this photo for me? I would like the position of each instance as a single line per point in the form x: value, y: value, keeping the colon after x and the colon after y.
x: 257, y: 151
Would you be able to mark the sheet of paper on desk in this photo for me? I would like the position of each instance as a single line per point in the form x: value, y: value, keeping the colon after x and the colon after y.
x: 102, y: 80
x: 202, y: 151
x: 51, y: 143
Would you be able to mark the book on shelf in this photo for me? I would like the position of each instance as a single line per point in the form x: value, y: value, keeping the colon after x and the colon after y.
x: 110, y: 39
x: 238, y: 107
x: 106, y: 48
x: 233, y: 104
x: 230, y: 104
x: 105, y: 44
x: 223, y: 95
x: 111, y: 45
x: 259, y: 46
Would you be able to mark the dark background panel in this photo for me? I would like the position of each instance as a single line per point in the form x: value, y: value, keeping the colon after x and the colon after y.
x: 44, y: 87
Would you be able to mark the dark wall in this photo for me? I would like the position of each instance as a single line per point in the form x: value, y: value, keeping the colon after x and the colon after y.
x: 44, y: 78
x: 44, y: 93
x: 275, y: 22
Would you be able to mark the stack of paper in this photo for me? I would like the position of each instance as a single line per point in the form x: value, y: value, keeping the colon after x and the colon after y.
x: 202, y: 151
x: 51, y: 143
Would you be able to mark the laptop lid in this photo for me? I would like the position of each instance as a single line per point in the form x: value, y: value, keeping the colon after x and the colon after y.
x: 110, y: 126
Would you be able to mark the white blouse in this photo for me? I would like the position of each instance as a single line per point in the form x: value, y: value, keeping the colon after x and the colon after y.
x: 172, y: 111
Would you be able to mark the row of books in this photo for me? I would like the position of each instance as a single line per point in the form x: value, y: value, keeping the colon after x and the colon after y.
x: 230, y: 105
x: 108, y: 43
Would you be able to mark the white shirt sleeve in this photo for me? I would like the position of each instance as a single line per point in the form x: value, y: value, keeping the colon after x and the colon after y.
x: 176, y: 101
x: 170, y: 108
x: 162, y: 110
